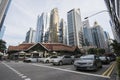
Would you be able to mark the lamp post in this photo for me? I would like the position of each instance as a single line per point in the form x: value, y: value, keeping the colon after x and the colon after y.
x: 96, y: 13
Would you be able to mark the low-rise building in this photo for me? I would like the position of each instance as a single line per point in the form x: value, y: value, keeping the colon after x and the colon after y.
x: 40, y: 50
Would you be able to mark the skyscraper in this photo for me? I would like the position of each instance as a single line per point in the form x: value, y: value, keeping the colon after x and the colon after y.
x: 4, y: 5
x: 107, y: 41
x: 98, y: 36
x: 30, y: 36
x: 116, y: 37
x: 114, y: 11
x: 87, y: 34
x: 2, y: 32
x: 42, y: 28
x: 63, y: 32
x: 74, y: 28
x: 54, y: 26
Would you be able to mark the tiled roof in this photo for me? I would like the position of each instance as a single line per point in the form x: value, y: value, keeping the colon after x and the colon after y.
x: 49, y: 46
x: 20, y: 47
x: 58, y: 47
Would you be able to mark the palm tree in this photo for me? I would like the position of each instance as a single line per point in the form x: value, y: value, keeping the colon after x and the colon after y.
x: 2, y: 46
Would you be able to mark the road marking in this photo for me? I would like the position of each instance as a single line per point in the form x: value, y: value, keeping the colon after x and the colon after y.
x: 68, y: 68
x: 17, y: 72
x: 109, y: 70
x: 27, y: 79
x: 24, y: 76
x: 70, y: 71
x: 21, y: 74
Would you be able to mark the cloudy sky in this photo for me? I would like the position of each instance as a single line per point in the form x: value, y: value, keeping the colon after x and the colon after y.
x: 22, y: 15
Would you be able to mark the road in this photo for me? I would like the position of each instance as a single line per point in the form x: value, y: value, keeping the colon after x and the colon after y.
x: 38, y: 71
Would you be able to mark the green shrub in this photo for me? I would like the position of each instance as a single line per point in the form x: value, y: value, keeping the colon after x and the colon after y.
x: 118, y: 66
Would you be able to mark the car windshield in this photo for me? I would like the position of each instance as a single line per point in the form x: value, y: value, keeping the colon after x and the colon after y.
x: 54, y: 57
x: 86, y: 58
x: 102, y: 57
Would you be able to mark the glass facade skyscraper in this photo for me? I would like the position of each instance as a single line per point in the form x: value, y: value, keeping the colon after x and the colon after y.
x: 114, y: 11
x: 98, y: 36
x: 54, y: 26
x: 42, y: 30
x: 63, y: 32
x: 2, y: 32
x: 87, y: 34
x: 30, y: 36
x: 74, y: 27
x: 4, y: 5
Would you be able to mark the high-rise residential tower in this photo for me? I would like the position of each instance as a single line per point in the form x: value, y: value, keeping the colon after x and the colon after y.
x: 107, y: 41
x: 74, y: 28
x: 98, y: 36
x: 87, y: 34
x: 54, y: 26
x: 30, y: 36
x: 43, y: 28
x: 63, y: 32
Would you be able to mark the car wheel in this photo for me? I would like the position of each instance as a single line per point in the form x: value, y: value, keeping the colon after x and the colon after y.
x: 95, y: 68
x: 101, y: 66
x: 75, y: 67
x: 60, y: 63
x: 53, y: 64
x: 72, y: 62
x: 29, y: 61
x: 47, y: 61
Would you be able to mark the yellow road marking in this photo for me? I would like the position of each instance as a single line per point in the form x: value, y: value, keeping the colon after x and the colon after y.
x: 109, y: 70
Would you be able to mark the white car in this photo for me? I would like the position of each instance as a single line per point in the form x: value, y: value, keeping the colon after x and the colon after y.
x: 32, y: 60
x: 48, y: 59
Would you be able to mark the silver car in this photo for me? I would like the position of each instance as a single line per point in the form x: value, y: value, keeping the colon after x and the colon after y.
x: 62, y: 60
x: 88, y: 62
x: 32, y: 59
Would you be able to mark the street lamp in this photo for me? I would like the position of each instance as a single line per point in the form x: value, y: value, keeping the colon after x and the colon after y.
x: 96, y: 13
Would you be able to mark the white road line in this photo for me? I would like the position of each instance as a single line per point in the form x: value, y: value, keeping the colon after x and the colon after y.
x: 27, y: 79
x: 68, y: 68
x: 70, y: 71
x: 24, y: 76
x: 21, y: 74
x: 17, y: 72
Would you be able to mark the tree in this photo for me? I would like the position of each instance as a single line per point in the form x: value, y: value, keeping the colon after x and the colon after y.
x: 92, y: 51
x: 2, y: 46
x: 116, y: 47
x: 100, y: 51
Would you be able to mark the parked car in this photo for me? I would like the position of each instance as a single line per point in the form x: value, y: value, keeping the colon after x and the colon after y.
x: 88, y: 62
x: 76, y: 57
x: 32, y: 59
x: 62, y: 60
x: 48, y: 59
x: 104, y: 59
x: 112, y: 57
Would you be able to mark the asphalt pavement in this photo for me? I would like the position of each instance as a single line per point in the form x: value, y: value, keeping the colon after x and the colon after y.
x: 39, y: 71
